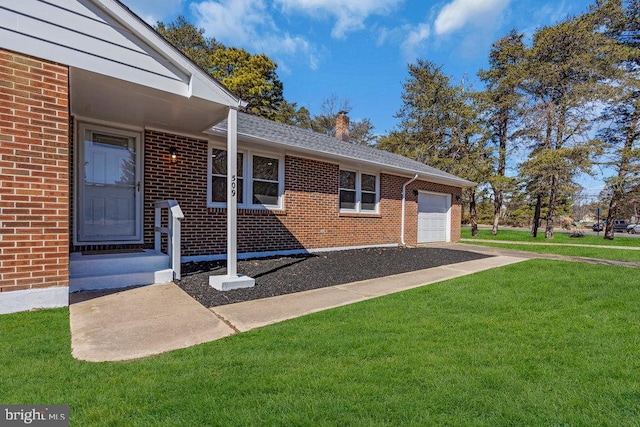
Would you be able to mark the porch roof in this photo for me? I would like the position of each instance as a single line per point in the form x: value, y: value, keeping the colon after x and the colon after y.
x: 120, y: 69
x: 257, y: 129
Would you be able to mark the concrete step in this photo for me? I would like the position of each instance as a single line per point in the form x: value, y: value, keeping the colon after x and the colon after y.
x: 115, y: 281
x: 105, y: 264
x: 112, y: 271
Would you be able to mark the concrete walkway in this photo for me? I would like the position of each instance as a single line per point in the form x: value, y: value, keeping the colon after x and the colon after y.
x: 154, y: 319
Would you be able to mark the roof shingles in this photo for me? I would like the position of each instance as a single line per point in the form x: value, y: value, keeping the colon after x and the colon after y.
x: 308, y: 141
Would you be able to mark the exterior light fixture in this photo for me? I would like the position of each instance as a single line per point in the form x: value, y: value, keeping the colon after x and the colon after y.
x: 173, y: 152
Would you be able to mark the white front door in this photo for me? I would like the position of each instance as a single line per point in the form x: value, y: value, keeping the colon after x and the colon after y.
x: 433, y: 217
x: 108, y: 206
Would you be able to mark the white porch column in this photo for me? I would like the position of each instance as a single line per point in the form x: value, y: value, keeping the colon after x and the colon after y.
x: 232, y: 193
x: 232, y: 280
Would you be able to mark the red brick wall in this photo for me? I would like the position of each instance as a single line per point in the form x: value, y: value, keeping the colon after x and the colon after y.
x: 411, y: 215
x: 310, y: 218
x: 34, y: 180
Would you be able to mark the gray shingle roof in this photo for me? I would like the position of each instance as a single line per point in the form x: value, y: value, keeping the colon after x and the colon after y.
x: 307, y: 141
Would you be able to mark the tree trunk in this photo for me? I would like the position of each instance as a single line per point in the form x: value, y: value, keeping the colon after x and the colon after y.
x: 473, y: 218
x: 502, y: 166
x: 612, y: 214
x: 555, y: 178
x: 536, y: 216
x: 497, y: 209
x: 620, y: 183
x: 551, y: 216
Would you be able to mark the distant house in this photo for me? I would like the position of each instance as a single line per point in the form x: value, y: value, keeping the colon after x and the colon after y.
x: 102, y: 119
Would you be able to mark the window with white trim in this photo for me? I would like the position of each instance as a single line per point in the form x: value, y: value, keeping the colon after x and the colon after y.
x: 359, y: 192
x: 260, y: 179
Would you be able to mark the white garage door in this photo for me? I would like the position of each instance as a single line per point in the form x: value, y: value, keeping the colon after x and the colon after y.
x: 433, y: 217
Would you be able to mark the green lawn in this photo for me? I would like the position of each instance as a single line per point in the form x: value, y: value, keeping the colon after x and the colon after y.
x: 535, y: 343
x: 620, y: 239
x: 586, y: 252
x: 554, y: 246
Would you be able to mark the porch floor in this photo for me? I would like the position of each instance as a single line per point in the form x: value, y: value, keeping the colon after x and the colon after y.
x: 149, y: 320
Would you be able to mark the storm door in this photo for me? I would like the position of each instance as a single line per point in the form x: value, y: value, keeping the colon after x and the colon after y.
x: 108, y: 204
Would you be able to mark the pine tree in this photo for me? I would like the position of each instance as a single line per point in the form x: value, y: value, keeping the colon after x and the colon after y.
x: 623, y: 136
x: 252, y: 78
x: 502, y: 105
x: 565, y: 75
x: 440, y: 127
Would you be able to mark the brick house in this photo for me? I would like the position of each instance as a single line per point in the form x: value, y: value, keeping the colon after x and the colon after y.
x: 101, y: 119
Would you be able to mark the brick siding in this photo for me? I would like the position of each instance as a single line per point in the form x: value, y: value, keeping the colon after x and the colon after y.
x: 34, y: 168
x: 310, y: 218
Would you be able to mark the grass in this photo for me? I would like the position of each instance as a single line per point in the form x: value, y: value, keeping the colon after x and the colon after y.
x: 555, y: 246
x: 535, y: 343
x: 584, y: 252
x: 559, y: 237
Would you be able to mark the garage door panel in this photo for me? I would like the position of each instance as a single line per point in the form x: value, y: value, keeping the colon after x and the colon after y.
x: 431, y: 203
x: 433, y: 211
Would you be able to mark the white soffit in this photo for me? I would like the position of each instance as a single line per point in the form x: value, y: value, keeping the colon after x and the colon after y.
x: 98, y: 97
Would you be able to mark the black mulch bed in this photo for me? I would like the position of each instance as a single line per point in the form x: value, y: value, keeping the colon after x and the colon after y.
x: 285, y: 275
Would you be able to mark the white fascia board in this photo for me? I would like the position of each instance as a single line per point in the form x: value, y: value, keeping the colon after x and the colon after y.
x: 437, y: 179
x: 201, y: 85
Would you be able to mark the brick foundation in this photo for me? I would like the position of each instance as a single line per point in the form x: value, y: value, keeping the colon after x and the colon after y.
x: 34, y: 168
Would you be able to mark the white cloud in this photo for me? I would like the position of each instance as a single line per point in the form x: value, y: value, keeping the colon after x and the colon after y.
x: 349, y: 14
x: 252, y: 23
x: 235, y: 21
x: 415, y: 38
x: 249, y: 24
x: 459, y: 13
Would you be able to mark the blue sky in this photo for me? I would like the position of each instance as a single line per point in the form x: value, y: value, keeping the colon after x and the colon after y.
x: 359, y: 49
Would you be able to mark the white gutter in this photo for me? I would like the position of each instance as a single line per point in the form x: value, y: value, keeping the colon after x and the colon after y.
x: 404, y: 196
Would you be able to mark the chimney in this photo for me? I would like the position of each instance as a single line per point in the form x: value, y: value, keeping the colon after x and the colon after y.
x: 342, y: 126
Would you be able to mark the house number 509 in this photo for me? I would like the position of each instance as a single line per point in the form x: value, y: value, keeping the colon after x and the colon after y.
x: 233, y: 186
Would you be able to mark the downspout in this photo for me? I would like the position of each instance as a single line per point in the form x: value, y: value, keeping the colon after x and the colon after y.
x: 404, y: 197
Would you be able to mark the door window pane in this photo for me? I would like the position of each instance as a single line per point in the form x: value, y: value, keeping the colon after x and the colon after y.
x: 109, y: 159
